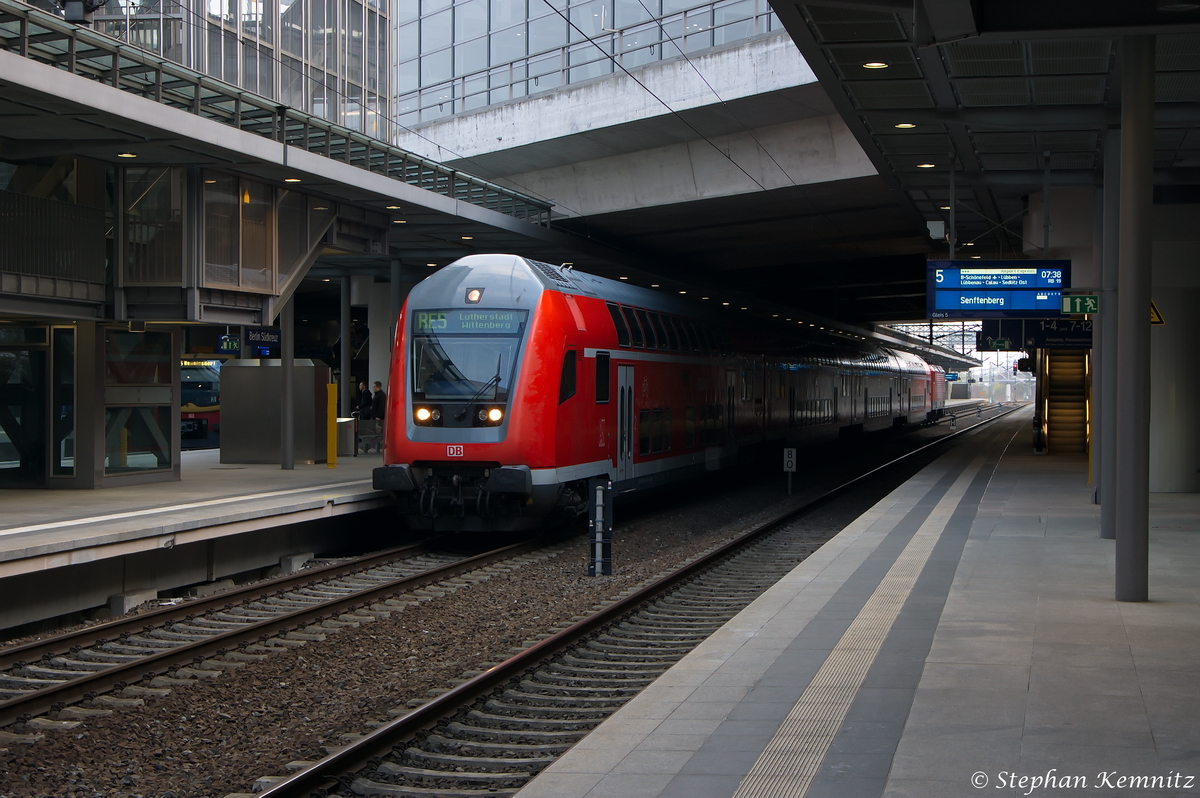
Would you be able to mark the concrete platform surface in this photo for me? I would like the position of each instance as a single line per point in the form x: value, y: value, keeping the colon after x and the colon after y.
x: 41, y: 529
x: 960, y: 638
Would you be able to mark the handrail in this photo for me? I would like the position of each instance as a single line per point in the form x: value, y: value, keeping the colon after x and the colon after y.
x: 46, y: 38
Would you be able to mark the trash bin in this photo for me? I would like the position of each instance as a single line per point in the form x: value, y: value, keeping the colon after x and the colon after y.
x: 345, y: 437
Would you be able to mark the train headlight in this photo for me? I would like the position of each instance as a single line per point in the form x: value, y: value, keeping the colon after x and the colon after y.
x: 428, y: 416
x: 488, y: 416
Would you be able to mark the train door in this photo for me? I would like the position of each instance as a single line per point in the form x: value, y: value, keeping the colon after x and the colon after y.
x: 624, y: 423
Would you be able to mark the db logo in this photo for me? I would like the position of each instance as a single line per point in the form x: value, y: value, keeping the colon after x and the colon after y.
x: 454, y: 451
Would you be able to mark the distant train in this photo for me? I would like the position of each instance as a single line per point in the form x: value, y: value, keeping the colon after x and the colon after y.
x: 199, y: 397
x: 513, y: 382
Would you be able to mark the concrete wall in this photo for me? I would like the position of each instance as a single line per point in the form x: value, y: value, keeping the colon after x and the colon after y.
x: 807, y: 151
x: 756, y: 67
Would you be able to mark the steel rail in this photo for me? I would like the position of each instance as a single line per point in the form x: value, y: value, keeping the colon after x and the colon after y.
x: 104, y: 632
x: 320, y: 777
x: 78, y: 689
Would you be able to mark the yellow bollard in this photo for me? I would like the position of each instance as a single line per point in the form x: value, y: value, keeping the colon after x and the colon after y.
x: 331, y: 397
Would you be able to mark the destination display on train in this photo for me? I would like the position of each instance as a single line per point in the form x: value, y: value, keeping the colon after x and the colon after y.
x: 468, y: 322
x: 996, y: 289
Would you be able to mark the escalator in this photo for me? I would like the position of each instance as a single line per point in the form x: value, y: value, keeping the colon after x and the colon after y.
x: 1066, y: 397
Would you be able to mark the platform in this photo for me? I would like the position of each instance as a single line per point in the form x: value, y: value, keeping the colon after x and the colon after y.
x: 42, y: 529
x: 957, y: 638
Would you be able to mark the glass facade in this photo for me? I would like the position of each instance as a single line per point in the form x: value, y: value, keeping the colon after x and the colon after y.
x: 458, y: 56
x: 326, y: 57
x: 139, y: 399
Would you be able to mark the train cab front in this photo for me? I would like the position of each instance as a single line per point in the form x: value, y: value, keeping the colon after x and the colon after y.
x: 452, y: 454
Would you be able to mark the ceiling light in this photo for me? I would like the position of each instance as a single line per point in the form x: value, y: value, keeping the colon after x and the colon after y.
x: 969, y: 244
x: 393, y: 207
x: 126, y: 155
x: 291, y: 180
x: 622, y: 278
x: 724, y: 303
x: 926, y: 165
x: 683, y: 292
x: 654, y: 285
x: 468, y: 238
x: 431, y: 264
x: 944, y: 207
x: 209, y: 182
x: 745, y: 308
x: 321, y: 208
x: 399, y: 221
x: 905, y: 125
x: 324, y: 279
x: 875, y: 65
x: 977, y: 257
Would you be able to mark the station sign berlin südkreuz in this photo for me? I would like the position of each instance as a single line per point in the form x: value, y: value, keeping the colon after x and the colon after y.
x: 996, y: 289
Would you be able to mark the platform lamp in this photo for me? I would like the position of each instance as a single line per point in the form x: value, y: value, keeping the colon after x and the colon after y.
x: 80, y: 11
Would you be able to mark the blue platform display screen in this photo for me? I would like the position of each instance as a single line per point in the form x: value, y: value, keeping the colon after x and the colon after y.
x: 996, y: 289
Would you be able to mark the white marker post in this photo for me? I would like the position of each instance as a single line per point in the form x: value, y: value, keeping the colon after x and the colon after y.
x: 789, y: 465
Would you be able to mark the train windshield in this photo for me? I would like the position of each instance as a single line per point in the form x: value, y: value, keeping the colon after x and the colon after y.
x: 200, y: 382
x: 460, y: 354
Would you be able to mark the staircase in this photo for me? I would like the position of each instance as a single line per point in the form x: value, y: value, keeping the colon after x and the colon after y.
x: 1067, y: 401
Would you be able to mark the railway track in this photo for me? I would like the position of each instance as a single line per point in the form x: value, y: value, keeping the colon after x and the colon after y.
x: 491, y: 734
x: 189, y: 640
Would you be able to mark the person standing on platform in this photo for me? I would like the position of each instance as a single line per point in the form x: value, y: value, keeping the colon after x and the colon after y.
x: 364, y: 401
x: 379, y: 405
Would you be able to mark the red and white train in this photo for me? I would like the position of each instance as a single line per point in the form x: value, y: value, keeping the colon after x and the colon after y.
x: 514, y: 382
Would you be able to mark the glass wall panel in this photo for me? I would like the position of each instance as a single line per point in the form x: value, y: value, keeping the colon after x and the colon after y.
x: 62, y: 402
x: 137, y: 439
x: 436, y: 31
x: 471, y: 57
x: 154, y: 225
x: 508, y: 45
x: 221, y: 224
x: 507, y: 12
x: 470, y: 20
x: 437, y: 67
x: 22, y: 414
x: 137, y: 358
x: 546, y: 33
x: 258, y: 251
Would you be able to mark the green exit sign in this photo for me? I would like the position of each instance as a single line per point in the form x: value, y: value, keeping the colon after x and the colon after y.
x: 1081, y: 303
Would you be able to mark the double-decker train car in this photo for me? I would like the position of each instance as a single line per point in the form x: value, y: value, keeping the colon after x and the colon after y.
x: 514, y: 382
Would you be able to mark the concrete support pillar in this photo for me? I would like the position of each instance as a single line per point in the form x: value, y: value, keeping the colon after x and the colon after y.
x: 1133, y: 347
x: 287, y: 393
x: 346, y: 328
x: 381, y: 322
x: 1105, y: 351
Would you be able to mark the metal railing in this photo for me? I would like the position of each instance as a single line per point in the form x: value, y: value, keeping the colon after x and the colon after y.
x: 48, y: 39
x: 716, y: 24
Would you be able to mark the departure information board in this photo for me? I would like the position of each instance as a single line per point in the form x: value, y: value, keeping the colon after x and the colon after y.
x: 996, y: 289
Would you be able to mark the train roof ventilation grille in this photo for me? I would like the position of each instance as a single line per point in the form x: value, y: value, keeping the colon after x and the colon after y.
x: 553, y: 272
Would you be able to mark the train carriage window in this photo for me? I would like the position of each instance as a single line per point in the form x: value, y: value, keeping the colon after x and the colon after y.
x: 644, y: 431
x: 635, y: 329
x: 619, y: 323
x: 602, y: 377
x: 651, y: 341
x: 659, y: 333
x: 666, y: 429
x: 566, y: 386
x: 681, y: 335
x: 689, y: 427
x: 672, y: 337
